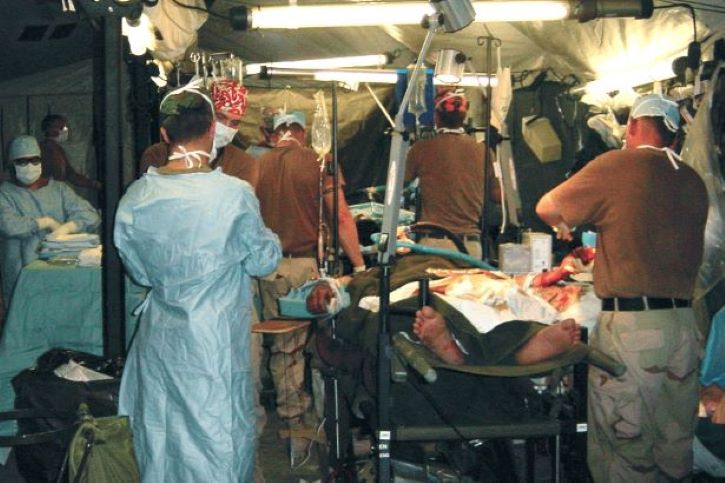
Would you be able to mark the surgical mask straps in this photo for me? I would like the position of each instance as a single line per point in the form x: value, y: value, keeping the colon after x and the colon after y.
x: 189, y: 157
x: 671, y: 154
x: 287, y: 136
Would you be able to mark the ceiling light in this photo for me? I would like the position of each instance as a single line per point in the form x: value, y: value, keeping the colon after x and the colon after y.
x: 140, y: 33
x: 372, y: 76
x: 630, y: 77
x: 449, y: 66
x: 382, y: 13
x: 329, y: 63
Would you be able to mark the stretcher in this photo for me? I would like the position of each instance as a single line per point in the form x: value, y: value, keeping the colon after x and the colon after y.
x: 487, y: 401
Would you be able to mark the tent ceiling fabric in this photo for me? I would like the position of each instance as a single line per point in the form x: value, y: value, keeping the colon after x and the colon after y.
x: 587, y: 50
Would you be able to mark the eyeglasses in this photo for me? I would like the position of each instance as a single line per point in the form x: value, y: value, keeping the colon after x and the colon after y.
x: 25, y: 161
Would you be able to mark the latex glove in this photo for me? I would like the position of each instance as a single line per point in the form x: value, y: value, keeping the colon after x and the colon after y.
x: 47, y: 223
x: 65, y: 229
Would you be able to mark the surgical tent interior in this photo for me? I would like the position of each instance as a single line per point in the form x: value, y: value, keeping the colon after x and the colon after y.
x: 55, y: 60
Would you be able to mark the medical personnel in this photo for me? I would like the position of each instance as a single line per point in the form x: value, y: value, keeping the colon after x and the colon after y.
x: 230, y: 104
x: 31, y: 207
x: 288, y: 190
x: 195, y: 237
x: 450, y: 169
x: 649, y: 210
x: 55, y: 161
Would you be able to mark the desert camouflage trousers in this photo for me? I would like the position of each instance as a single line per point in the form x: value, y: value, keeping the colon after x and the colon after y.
x: 641, y: 425
x: 287, y: 357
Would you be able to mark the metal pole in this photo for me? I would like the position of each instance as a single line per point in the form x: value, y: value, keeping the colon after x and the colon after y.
x: 386, y: 248
x: 334, y: 269
x: 485, y: 248
x: 108, y: 118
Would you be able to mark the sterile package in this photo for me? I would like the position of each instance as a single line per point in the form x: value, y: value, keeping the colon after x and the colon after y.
x: 514, y: 258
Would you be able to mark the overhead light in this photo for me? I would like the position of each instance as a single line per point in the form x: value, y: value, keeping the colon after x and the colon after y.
x: 382, y: 13
x: 626, y: 78
x: 449, y: 66
x: 453, y: 15
x: 329, y: 63
x: 371, y: 76
x: 586, y: 10
x: 140, y: 33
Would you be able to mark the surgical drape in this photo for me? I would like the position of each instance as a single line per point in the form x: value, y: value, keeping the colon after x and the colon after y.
x: 194, y: 239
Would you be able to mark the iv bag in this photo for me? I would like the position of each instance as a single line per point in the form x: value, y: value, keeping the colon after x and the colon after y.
x: 321, y: 135
x: 417, y: 106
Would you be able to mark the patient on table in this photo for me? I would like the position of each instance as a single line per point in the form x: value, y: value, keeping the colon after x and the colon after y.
x: 431, y: 329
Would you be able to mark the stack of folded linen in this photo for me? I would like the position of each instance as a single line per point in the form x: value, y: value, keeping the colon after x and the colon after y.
x: 91, y: 257
x: 54, y: 246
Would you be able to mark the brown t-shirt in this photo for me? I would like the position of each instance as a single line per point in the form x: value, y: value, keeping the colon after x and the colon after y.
x: 450, y: 168
x: 288, y: 192
x: 56, y: 165
x: 650, y: 220
x: 232, y: 160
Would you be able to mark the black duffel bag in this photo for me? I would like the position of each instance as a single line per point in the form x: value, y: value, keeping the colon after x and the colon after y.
x: 40, y: 389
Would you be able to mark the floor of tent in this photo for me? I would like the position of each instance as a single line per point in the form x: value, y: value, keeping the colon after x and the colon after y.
x: 276, y: 469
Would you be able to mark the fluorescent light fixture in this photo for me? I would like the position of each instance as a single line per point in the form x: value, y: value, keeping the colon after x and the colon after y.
x: 352, y: 76
x: 382, y: 13
x: 375, y: 60
x: 626, y: 78
x: 372, y: 76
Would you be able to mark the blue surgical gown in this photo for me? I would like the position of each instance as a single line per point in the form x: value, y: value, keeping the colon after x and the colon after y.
x: 19, y: 233
x: 195, y: 239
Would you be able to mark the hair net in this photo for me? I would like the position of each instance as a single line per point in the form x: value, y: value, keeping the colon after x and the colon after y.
x: 230, y: 97
x: 296, y: 117
x: 657, y: 105
x: 23, y: 147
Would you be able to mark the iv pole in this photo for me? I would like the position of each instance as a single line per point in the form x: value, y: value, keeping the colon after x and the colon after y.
x: 451, y: 15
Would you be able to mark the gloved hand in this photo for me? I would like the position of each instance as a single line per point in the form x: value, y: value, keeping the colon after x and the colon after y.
x: 47, y: 223
x: 65, y: 229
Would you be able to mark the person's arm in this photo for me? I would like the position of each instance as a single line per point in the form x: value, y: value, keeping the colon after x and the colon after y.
x: 15, y: 225
x: 77, y: 210
x: 77, y: 179
x: 347, y: 228
x: 263, y: 244
x: 550, y: 214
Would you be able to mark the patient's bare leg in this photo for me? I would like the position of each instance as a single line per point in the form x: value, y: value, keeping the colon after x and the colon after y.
x: 549, y: 342
x: 430, y: 327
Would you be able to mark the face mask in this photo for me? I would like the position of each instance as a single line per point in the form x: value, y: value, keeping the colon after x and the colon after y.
x: 63, y: 136
x: 29, y: 173
x: 223, y: 135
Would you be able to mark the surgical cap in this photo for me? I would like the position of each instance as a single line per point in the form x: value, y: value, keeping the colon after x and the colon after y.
x: 230, y: 97
x: 296, y: 117
x: 657, y: 105
x: 451, y: 101
x: 23, y: 147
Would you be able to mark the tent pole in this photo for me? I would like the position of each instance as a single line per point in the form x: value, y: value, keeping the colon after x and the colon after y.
x: 108, y: 122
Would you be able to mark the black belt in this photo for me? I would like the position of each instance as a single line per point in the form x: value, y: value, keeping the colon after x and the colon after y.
x: 642, y: 303
x: 445, y: 237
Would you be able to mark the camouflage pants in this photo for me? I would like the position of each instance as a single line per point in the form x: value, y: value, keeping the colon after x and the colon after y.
x: 287, y: 358
x: 641, y: 425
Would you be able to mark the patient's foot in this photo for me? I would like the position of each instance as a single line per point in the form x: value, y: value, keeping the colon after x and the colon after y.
x: 549, y: 342
x: 430, y: 327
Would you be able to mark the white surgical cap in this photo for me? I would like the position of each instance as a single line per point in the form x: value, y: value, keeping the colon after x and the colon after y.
x: 657, y: 105
x: 23, y: 147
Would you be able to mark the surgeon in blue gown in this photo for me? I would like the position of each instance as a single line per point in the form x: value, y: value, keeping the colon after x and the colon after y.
x: 195, y: 237
x: 32, y: 207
